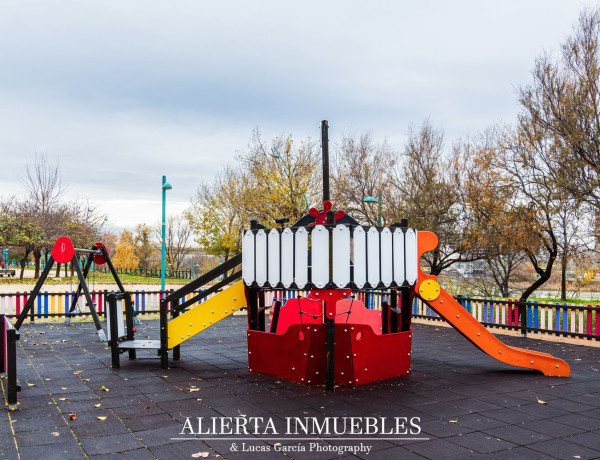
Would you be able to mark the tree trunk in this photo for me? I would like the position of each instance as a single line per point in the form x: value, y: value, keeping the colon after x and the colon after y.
x: 504, y: 291
x: 37, y: 257
x: 57, y: 270
x: 563, y: 278
x: 23, y: 262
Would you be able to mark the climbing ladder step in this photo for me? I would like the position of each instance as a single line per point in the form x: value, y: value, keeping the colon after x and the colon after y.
x: 139, y: 345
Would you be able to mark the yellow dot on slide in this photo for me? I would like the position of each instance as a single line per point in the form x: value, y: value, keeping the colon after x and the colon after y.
x: 429, y: 290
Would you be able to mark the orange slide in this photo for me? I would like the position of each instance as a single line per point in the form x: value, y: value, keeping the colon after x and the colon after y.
x: 428, y: 289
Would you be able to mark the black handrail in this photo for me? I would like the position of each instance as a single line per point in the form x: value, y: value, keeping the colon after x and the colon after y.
x: 205, y: 293
x: 206, y: 278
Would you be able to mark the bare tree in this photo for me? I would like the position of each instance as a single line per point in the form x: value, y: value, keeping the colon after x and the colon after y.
x: 177, y: 238
x: 428, y: 191
x: 563, y: 102
x: 363, y: 168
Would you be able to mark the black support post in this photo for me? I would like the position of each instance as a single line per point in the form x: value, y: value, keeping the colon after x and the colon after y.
x: 394, y: 312
x: 330, y: 322
x: 325, y: 150
x: 11, y: 369
x: 114, y: 331
x: 406, y: 304
x: 261, y: 310
x: 276, y: 307
x: 164, y: 319
x: 33, y: 294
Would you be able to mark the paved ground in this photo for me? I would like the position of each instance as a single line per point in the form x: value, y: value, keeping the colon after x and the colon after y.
x: 468, y: 404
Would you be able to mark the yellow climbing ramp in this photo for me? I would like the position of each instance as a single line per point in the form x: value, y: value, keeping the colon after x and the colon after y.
x: 206, y: 314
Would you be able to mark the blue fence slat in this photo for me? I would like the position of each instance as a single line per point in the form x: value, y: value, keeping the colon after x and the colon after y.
x: 557, y: 318
x: 565, y: 319
x: 45, y: 304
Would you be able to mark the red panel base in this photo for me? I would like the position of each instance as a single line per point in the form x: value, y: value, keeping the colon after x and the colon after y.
x: 299, y: 354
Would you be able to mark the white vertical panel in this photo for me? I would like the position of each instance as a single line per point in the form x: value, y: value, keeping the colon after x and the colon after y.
x: 360, y: 257
x: 273, y: 244
x: 373, y: 257
x: 261, y: 257
x: 412, y: 261
x: 320, y: 256
x: 287, y: 258
x: 248, y: 257
x: 120, y: 320
x: 341, y: 256
x: 399, y: 256
x: 301, y: 257
x: 386, y: 257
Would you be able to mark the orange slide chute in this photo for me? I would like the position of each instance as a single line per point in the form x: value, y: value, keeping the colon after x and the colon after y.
x: 447, y: 307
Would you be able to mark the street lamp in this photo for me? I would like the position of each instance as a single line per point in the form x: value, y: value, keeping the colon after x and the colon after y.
x: 370, y: 199
x: 165, y: 186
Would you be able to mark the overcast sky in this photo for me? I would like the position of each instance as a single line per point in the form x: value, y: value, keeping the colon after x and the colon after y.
x: 124, y: 92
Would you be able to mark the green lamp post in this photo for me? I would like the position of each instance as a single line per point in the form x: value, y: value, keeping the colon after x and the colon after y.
x: 370, y: 199
x: 165, y: 186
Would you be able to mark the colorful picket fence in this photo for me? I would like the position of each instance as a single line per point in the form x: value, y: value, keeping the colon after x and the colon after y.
x: 56, y: 304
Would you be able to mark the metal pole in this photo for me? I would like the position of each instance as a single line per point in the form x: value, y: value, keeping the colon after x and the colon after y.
x: 325, y: 150
x: 164, y: 217
x: 330, y: 315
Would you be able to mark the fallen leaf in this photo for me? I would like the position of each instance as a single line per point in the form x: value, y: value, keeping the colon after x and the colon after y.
x: 453, y: 421
x: 63, y: 388
x: 85, y: 380
x: 73, y: 416
x: 77, y: 372
x: 30, y: 384
x: 100, y: 417
x: 55, y: 433
x: 194, y: 389
x: 540, y: 401
x: 241, y: 415
x: 97, y: 405
x: 63, y: 399
x: 103, y: 388
x: 200, y: 455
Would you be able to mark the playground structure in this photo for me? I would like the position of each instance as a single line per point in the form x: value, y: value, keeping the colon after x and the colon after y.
x: 327, y: 337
